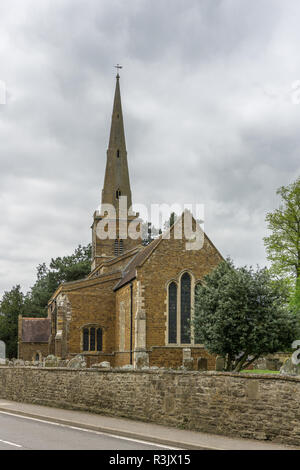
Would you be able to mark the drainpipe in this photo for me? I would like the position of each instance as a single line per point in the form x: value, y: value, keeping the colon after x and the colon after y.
x: 131, y: 318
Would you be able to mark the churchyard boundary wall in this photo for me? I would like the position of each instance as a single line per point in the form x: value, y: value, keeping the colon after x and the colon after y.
x: 245, y: 405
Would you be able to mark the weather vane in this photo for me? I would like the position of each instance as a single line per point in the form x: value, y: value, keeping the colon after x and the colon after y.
x: 118, y: 67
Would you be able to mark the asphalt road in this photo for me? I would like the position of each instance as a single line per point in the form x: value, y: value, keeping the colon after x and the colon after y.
x: 21, y: 433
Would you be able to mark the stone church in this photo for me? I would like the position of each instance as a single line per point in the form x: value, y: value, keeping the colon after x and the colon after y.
x: 136, y: 305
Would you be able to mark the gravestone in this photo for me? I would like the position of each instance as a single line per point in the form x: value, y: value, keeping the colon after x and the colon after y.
x: 289, y: 368
x: 101, y: 365
x: 51, y: 361
x: 187, y: 360
x: 186, y: 353
x: 142, y: 359
x: 77, y: 362
x: 202, y: 363
x: 220, y: 364
x: 128, y: 367
x: 18, y: 362
x: 2, y: 353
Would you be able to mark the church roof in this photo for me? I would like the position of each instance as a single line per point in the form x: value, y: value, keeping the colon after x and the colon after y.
x: 35, y: 330
x: 129, y: 272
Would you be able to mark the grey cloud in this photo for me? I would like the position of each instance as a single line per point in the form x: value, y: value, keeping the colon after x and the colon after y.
x: 203, y: 122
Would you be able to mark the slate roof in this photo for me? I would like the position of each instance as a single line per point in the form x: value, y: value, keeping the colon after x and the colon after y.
x: 35, y: 330
x: 129, y: 272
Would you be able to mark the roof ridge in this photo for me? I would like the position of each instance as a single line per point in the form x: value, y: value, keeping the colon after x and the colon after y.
x: 127, y: 275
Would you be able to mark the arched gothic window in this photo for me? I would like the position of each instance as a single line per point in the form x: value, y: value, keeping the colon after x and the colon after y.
x: 197, y: 339
x: 92, y: 339
x: 118, y: 194
x: 185, y: 308
x: 118, y: 153
x: 172, y: 327
x: 181, y: 300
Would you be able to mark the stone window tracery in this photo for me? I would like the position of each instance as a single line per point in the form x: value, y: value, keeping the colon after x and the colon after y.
x: 181, y: 295
x: 173, y: 313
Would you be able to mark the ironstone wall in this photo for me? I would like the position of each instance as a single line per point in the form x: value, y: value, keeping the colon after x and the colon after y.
x: 250, y: 406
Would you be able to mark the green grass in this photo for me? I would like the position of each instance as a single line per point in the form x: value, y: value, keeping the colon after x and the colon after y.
x: 260, y: 371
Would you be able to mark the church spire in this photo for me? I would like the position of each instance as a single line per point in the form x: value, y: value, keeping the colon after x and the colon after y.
x: 116, y: 181
x: 116, y: 184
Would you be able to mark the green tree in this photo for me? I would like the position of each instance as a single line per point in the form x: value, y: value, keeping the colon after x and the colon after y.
x: 149, y: 233
x: 34, y: 303
x: 172, y: 219
x: 283, y: 245
x: 11, y: 306
x: 241, y: 315
x: 62, y: 269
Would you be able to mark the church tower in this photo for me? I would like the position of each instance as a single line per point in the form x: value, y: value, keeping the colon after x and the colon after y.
x: 116, y: 186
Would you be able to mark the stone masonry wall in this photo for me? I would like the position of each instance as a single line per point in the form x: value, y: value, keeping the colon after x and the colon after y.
x: 165, y: 265
x: 260, y: 407
x: 172, y: 357
x: 28, y: 351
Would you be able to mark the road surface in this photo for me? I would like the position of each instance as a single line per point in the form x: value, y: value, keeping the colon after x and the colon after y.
x: 21, y: 433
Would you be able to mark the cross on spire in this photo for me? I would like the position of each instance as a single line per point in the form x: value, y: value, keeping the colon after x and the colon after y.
x: 118, y: 67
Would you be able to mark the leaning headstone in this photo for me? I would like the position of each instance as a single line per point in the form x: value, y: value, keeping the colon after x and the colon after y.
x: 289, y: 368
x: 2, y: 353
x: 220, y: 363
x: 77, y: 362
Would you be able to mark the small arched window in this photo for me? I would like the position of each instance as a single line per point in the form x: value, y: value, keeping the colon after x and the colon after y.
x: 118, y: 153
x: 118, y: 194
x: 185, y: 308
x: 172, y: 323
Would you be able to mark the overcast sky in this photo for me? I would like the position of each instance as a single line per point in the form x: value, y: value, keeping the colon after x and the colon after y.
x: 209, y: 112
